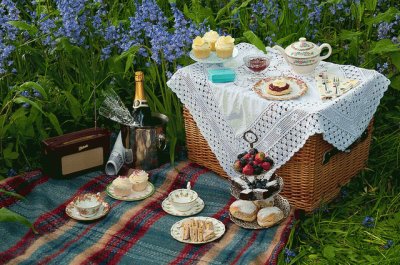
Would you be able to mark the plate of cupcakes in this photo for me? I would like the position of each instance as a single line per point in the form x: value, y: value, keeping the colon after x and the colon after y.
x: 212, y: 48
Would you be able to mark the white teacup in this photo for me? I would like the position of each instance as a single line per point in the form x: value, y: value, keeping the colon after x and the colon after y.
x: 183, y: 199
x: 88, y: 204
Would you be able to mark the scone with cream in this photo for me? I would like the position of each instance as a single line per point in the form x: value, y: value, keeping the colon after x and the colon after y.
x: 278, y: 88
x: 201, y: 48
x: 139, y: 179
x: 269, y: 216
x: 211, y: 37
x: 224, y: 46
x: 244, y: 210
x: 122, y: 186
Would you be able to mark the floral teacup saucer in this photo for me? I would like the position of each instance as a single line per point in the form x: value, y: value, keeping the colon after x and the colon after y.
x: 73, y: 212
x: 169, y: 208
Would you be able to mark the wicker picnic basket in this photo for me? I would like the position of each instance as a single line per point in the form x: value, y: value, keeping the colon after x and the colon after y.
x: 312, y: 176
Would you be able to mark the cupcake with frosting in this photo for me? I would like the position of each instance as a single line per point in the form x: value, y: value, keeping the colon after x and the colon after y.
x: 122, y: 186
x: 201, y: 48
x: 139, y: 179
x: 224, y: 46
x: 211, y: 37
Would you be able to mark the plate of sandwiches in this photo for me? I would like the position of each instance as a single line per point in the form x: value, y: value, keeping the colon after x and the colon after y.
x: 280, y: 88
x: 197, y: 230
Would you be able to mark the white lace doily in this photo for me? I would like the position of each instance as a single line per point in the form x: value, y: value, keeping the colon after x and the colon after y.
x: 223, y: 112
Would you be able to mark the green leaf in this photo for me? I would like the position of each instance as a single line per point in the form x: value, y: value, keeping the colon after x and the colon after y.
x: 20, y: 100
x: 395, y: 59
x: 253, y: 39
x: 36, y: 86
x: 65, y: 45
x: 285, y: 39
x: 349, y: 35
x: 370, y: 5
x: 225, y: 9
x: 328, y: 252
x: 75, y: 107
x: 384, y: 46
x: 54, y: 121
x: 129, y: 62
x: 243, y: 5
x: 386, y: 16
x: 131, y: 51
x: 9, y: 154
x: 8, y: 216
x: 22, y: 25
x: 395, y: 82
x: 12, y: 194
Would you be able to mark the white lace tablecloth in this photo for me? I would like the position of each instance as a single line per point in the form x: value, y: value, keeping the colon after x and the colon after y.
x: 223, y: 112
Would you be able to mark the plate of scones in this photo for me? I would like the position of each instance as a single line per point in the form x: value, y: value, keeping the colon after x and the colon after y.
x: 280, y: 88
x: 259, y: 214
x: 197, y: 230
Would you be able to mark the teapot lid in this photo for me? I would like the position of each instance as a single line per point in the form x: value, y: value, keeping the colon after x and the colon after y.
x: 302, y: 49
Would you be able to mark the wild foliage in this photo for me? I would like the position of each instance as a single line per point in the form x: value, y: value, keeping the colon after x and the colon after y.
x: 56, y: 56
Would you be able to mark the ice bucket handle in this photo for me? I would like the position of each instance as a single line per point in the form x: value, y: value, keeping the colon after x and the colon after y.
x: 162, y: 142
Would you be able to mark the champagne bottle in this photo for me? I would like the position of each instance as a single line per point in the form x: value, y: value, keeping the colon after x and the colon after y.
x: 141, y: 112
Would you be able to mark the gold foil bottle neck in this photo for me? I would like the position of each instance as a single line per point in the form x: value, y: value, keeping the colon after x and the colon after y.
x: 140, y: 97
x: 139, y: 76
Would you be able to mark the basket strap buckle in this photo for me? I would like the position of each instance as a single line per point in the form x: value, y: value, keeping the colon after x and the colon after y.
x: 329, y: 154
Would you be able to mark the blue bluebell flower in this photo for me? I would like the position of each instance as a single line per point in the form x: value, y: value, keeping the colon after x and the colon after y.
x: 36, y: 94
x: 25, y: 93
x: 11, y: 172
x: 289, y: 254
x: 26, y: 105
x: 368, y: 221
x: 382, y: 68
x: 388, y: 244
x: 73, y: 20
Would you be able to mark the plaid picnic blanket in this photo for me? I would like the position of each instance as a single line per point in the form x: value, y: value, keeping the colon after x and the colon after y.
x: 132, y: 232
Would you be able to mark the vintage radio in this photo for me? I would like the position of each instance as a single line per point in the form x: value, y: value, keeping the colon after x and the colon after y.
x: 74, y: 153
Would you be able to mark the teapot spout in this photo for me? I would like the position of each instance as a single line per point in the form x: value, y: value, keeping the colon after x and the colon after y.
x: 281, y: 50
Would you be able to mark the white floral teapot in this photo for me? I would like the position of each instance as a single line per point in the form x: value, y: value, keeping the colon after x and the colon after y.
x: 303, y: 56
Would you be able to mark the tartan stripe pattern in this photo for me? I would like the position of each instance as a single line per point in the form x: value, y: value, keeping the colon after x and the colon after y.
x: 132, y: 232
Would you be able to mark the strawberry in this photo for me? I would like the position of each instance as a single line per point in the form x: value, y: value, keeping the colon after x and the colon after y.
x: 257, y: 162
x: 266, y: 165
x: 260, y: 156
x: 237, y: 166
x: 248, y: 170
x: 247, y: 156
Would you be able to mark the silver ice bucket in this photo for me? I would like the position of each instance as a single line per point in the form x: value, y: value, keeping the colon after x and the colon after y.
x: 146, y: 142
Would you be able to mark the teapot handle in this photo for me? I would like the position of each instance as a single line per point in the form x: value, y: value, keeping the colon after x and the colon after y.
x: 325, y: 45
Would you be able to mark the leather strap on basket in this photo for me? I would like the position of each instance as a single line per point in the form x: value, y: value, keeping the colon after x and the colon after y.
x: 329, y: 154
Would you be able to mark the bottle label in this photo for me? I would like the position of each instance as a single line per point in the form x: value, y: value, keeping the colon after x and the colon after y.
x: 138, y: 103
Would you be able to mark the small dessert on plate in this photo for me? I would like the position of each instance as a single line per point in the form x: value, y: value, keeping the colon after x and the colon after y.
x: 224, y: 46
x: 211, y: 37
x: 139, y: 179
x: 122, y: 186
x: 244, y: 210
x: 269, y: 216
x: 278, y: 88
x: 201, y: 49
x: 269, y: 202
